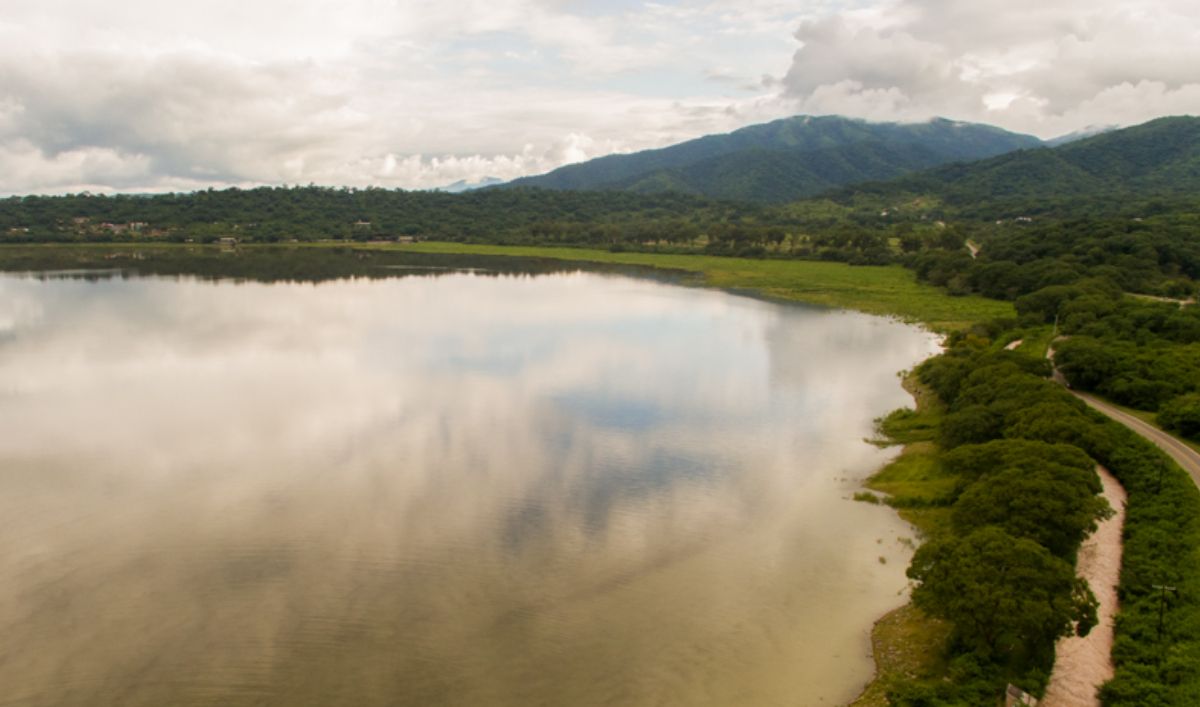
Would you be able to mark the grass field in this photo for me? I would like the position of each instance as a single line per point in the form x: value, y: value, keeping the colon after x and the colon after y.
x: 891, y: 291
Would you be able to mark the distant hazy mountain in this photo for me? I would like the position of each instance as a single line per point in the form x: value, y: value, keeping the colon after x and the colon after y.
x: 1089, y: 131
x: 1159, y: 159
x: 463, y: 185
x: 788, y: 159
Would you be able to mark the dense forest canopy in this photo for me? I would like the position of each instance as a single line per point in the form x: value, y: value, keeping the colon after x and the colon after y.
x: 308, y: 213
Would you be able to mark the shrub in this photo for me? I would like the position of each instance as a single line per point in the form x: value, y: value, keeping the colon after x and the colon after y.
x: 1182, y: 415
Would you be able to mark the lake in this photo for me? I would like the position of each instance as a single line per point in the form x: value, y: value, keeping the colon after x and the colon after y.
x: 448, y: 488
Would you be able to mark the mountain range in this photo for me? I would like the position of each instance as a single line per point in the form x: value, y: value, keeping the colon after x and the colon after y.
x: 971, y: 169
x: 1157, y: 160
x: 787, y: 159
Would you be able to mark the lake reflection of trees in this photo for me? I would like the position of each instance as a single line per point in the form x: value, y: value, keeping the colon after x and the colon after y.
x: 271, y: 263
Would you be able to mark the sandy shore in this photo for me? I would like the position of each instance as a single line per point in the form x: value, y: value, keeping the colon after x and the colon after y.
x: 1082, y: 665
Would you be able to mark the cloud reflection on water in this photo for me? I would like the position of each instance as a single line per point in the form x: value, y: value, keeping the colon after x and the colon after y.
x: 466, y: 490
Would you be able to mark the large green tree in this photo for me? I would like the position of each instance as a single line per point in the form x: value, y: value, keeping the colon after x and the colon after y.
x: 1002, y: 593
x: 1054, y: 505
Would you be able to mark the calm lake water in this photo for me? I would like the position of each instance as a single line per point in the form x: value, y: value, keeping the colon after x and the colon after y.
x: 569, y: 489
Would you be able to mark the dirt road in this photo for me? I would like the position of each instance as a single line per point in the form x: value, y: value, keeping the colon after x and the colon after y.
x: 1082, y: 665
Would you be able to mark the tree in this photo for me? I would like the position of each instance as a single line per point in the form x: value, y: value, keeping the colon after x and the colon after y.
x: 1086, y: 362
x: 1182, y: 415
x: 973, y: 424
x: 1044, y: 304
x: 972, y: 461
x: 1054, y: 505
x: 1002, y: 593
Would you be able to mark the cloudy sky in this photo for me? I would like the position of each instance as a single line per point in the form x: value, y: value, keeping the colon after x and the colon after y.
x: 153, y: 95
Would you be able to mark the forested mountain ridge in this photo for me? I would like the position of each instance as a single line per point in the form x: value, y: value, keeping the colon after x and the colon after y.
x: 787, y: 159
x: 764, y: 175
x: 1158, y: 160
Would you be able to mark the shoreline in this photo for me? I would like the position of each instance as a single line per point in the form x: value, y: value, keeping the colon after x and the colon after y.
x: 905, y: 641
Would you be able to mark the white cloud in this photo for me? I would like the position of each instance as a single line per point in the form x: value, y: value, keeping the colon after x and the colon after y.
x: 143, y: 95
x: 1042, y: 66
x: 150, y: 95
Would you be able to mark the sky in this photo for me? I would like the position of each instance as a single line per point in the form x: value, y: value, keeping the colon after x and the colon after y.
x: 164, y: 95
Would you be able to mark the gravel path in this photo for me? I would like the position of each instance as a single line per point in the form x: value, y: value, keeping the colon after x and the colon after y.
x: 1082, y: 665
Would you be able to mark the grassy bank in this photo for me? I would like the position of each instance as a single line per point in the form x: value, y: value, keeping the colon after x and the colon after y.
x: 914, y: 482
x: 907, y: 643
x: 889, y: 291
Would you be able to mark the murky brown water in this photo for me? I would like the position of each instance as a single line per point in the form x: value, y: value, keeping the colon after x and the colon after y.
x: 564, y: 490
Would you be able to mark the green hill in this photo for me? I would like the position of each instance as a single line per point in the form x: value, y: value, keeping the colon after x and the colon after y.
x: 787, y: 159
x: 1158, y: 160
